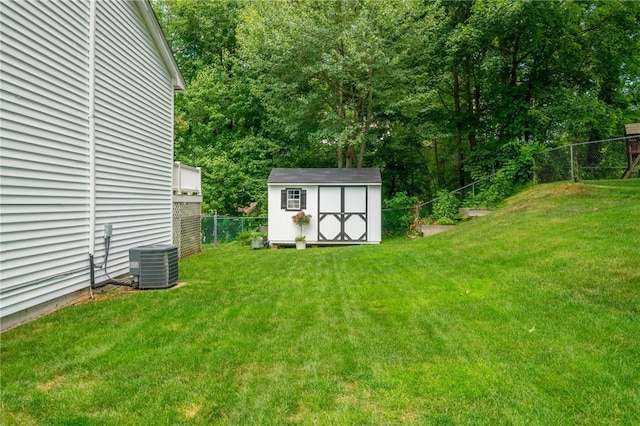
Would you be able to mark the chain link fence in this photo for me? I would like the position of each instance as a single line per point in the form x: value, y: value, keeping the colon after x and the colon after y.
x: 218, y: 229
x: 396, y: 221
x: 606, y: 159
x: 224, y: 229
x: 595, y: 160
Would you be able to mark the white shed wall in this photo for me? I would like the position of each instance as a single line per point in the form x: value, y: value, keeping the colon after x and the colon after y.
x: 44, y: 179
x: 374, y: 217
x: 282, y: 230
x: 281, y: 226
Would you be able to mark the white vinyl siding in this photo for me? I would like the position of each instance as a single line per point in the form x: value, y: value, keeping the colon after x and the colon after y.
x: 134, y: 135
x: 48, y: 154
x: 43, y: 152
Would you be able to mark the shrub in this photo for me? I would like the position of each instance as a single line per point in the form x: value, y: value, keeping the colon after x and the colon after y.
x: 246, y: 237
x: 513, y: 163
x: 445, y: 208
x: 398, y: 215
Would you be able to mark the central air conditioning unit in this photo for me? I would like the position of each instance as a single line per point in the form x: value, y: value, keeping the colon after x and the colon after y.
x: 154, y: 266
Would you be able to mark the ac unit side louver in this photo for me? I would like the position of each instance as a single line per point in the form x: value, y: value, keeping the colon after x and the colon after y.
x: 154, y: 266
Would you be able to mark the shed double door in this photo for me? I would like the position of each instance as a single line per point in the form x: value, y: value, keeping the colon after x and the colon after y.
x: 342, y: 213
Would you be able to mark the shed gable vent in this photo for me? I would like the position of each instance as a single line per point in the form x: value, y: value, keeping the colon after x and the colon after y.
x: 154, y: 266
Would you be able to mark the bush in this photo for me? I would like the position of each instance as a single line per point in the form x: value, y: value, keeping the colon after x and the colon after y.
x: 247, y: 236
x: 397, y: 219
x: 445, y: 208
x: 513, y: 163
x: 495, y: 190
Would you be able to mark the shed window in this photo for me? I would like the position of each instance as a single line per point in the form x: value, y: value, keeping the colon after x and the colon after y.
x: 293, y: 199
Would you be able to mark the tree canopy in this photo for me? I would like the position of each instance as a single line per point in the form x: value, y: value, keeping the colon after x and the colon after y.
x: 435, y: 93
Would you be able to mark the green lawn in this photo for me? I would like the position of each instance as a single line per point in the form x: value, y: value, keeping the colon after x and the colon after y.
x: 527, y: 316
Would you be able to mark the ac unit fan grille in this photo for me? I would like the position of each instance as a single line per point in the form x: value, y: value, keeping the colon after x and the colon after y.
x: 157, y: 266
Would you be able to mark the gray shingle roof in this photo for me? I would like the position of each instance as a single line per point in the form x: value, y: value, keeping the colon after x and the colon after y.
x: 325, y: 176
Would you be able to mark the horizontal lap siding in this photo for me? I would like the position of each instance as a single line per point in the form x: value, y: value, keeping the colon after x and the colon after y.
x: 44, y: 152
x: 134, y: 136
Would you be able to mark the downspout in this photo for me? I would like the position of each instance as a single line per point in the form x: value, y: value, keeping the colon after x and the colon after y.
x: 91, y: 137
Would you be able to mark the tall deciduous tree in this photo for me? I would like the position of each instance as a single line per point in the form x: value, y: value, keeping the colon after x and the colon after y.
x: 433, y: 92
x: 218, y: 121
x: 527, y: 71
x: 322, y: 68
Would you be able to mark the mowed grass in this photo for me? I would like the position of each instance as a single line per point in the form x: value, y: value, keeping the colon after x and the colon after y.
x: 527, y: 316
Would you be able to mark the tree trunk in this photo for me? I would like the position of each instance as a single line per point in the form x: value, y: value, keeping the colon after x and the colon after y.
x: 369, y: 118
x: 439, y: 172
x: 350, y: 156
x: 458, y: 124
x: 471, y: 113
x: 341, y: 116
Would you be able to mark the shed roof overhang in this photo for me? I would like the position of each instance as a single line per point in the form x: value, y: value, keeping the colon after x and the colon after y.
x: 370, y: 176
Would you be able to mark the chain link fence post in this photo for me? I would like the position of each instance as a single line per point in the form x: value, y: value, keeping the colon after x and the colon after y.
x: 571, y: 159
x: 215, y: 229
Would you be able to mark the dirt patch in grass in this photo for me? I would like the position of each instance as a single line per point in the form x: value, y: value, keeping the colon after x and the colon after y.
x: 51, y: 384
x: 541, y: 192
x: 572, y: 189
x: 192, y: 410
x: 112, y: 291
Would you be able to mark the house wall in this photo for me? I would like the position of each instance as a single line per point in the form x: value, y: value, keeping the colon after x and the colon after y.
x: 44, y: 154
x: 133, y: 136
x: 65, y: 172
x: 282, y: 230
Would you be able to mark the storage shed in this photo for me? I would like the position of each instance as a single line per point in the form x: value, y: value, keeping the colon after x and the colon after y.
x: 345, y: 205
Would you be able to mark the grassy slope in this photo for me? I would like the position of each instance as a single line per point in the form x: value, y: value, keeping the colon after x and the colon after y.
x: 529, y: 315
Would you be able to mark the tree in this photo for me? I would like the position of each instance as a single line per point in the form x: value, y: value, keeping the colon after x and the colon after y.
x: 435, y: 93
x: 322, y: 68
x: 522, y: 72
x: 201, y: 33
x: 218, y: 121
